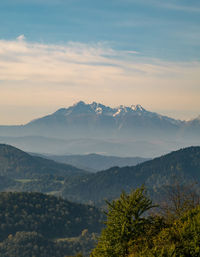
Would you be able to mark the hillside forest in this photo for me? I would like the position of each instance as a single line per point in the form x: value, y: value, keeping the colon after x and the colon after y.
x: 50, y: 209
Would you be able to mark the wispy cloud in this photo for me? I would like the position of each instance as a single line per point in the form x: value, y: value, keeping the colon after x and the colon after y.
x: 21, y: 60
x: 49, y: 75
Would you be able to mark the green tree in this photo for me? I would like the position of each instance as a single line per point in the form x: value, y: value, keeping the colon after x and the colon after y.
x: 125, y: 224
x: 182, y: 238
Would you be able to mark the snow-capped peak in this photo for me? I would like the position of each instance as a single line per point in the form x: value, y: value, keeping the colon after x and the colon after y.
x: 120, y: 110
x: 103, y: 112
x: 137, y: 107
x: 101, y: 109
x: 117, y: 112
x: 123, y: 108
x: 98, y: 110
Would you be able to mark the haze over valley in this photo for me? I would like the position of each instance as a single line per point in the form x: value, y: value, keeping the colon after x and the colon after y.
x: 95, y: 128
x: 99, y: 128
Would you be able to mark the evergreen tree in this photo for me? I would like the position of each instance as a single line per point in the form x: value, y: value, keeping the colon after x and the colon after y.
x: 125, y: 224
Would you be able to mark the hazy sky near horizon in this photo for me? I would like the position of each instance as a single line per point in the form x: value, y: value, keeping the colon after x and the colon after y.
x: 54, y: 53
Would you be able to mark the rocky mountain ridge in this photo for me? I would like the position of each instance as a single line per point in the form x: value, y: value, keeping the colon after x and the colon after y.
x: 95, y: 128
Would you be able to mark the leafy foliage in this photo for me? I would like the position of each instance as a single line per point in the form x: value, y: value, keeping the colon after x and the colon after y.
x: 127, y: 233
x: 181, y: 238
x: 125, y: 224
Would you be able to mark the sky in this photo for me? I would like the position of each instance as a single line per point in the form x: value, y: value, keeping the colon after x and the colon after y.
x: 54, y: 53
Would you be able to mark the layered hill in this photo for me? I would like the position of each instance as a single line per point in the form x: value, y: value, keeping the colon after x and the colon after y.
x: 23, y: 172
x: 183, y: 165
x: 15, y: 163
x: 96, y: 162
x: 20, y: 173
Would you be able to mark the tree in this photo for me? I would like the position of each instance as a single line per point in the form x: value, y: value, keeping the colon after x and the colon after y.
x: 181, y: 238
x: 179, y: 197
x: 125, y: 224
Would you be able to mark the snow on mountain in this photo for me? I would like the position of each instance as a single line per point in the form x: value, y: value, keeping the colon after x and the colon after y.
x: 98, y: 128
x: 138, y: 107
x: 96, y: 120
x: 99, y: 110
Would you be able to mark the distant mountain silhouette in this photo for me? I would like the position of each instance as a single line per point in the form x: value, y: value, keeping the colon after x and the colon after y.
x: 99, y: 120
x: 96, y: 128
x: 95, y: 162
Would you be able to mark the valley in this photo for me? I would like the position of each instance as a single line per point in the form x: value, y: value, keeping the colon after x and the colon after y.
x: 55, y: 185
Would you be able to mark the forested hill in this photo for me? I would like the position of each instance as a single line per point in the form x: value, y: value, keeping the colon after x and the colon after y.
x: 183, y: 164
x: 34, y: 224
x: 50, y: 216
x: 20, y: 171
x: 15, y: 163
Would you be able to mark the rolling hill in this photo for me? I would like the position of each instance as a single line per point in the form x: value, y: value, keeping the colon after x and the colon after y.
x: 15, y: 163
x: 22, y: 172
x: 95, y: 162
x: 183, y: 164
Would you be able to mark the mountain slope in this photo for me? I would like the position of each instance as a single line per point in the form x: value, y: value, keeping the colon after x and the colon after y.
x: 96, y: 128
x: 7, y: 183
x: 94, y: 119
x: 192, y: 128
x: 182, y: 164
x: 15, y: 163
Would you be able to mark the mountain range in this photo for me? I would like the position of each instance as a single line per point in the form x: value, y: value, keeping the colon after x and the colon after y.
x: 96, y: 128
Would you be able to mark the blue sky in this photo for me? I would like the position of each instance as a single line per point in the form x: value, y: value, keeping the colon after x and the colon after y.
x: 140, y: 51
x: 155, y: 28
